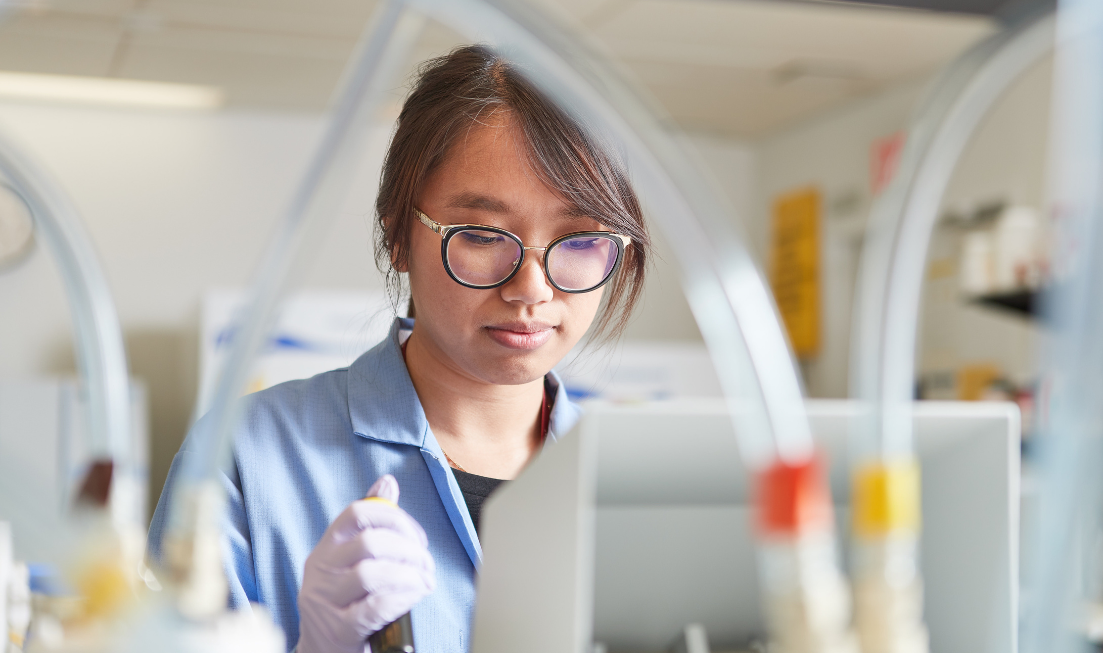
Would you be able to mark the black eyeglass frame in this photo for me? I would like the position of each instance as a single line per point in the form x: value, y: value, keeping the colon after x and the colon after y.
x: 448, y: 231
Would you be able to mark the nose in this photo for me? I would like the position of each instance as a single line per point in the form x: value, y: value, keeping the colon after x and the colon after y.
x: 529, y: 285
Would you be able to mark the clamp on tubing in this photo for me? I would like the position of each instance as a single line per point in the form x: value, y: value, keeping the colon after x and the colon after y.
x: 793, y: 498
x: 885, y: 498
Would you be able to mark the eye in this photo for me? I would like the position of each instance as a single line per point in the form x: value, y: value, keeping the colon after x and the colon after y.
x: 480, y: 238
x: 580, y: 244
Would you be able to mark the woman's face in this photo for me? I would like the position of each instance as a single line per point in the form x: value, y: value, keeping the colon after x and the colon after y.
x: 517, y: 332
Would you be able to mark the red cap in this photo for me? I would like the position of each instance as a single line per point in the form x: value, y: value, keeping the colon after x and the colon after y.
x: 792, y: 498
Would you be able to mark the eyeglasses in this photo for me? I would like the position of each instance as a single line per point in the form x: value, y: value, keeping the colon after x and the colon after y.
x: 478, y: 256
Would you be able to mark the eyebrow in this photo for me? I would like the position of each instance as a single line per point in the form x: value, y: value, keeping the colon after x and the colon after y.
x: 478, y: 202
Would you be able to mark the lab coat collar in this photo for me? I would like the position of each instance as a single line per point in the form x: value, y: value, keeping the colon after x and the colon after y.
x: 384, y: 406
x: 565, y: 413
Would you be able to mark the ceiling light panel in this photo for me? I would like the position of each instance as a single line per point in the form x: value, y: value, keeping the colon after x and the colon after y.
x: 106, y: 91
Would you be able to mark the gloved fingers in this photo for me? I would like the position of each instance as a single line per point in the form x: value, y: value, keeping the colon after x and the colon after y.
x: 385, y: 488
x: 362, y: 515
x: 382, y: 544
x: 385, y: 577
x: 324, y: 629
x: 377, y: 610
x: 376, y: 577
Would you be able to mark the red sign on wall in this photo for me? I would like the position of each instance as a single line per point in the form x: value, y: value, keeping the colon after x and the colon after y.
x: 884, y: 155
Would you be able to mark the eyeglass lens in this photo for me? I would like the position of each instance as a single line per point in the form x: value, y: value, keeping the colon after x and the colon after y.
x: 482, y: 258
x: 485, y: 258
x: 581, y: 263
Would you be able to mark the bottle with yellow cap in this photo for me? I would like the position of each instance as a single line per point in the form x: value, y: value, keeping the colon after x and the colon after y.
x: 888, y: 590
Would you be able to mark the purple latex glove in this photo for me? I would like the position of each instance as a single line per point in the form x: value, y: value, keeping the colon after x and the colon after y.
x: 371, y: 566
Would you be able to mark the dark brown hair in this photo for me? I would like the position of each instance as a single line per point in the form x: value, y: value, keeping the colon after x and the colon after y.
x: 457, y: 91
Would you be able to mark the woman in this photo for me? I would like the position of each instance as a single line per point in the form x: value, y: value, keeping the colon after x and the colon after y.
x: 516, y: 229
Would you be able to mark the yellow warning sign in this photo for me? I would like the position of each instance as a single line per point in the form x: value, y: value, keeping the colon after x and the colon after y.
x: 794, y: 267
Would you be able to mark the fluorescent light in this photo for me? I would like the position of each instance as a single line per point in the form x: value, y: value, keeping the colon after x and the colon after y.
x: 109, y: 91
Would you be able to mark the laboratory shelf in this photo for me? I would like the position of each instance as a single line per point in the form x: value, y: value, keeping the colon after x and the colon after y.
x: 1022, y: 302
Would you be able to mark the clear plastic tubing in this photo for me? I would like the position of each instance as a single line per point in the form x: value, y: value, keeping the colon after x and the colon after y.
x: 316, y: 201
x: 733, y: 308
x: 891, y: 270
x: 1071, y: 438
x: 101, y: 357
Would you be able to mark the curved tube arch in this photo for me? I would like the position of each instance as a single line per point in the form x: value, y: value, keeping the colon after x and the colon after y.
x: 901, y: 222
x: 886, y: 314
x: 101, y: 356
x: 1070, y: 496
x: 327, y: 178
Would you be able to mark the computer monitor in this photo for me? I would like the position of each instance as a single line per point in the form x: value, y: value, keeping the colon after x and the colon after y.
x: 639, y: 522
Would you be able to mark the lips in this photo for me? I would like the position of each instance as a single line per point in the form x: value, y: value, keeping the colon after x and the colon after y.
x: 521, y: 335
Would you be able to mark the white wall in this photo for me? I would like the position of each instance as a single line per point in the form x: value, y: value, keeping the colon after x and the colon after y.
x: 832, y: 153
x: 177, y: 203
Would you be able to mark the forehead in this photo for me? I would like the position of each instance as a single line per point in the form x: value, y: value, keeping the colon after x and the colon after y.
x: 489, y: 169
x: 492, y: 153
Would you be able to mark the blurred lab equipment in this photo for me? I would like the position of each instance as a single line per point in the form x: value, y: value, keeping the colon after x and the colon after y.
x: 43, y: 474
x: 621, y: 532
x: 72, y: 475
x: 1066, y: 573
x: 732, y: 306
x: 316, y: 331
x: 1017, y: 249
x: 1010, y: 255
x: 887, y: 586
x: 639, y: 371
x: 976, y: 263
x: 96, y: 532
x: 692, y: 639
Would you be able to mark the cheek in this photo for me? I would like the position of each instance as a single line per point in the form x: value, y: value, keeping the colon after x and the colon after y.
x: 582, y: 309
x: 426, y: 275
x: 439, y: 299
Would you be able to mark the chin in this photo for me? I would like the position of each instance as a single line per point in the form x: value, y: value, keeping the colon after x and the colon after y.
x: 518, y: 371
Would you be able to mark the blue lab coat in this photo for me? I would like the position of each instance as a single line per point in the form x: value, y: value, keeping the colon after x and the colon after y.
x: 306, y: 449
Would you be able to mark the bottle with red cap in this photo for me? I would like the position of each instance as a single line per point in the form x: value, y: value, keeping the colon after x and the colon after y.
x: 805, y: 595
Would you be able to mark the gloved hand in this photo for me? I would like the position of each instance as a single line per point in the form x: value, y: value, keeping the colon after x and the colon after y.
x: 371, y: 566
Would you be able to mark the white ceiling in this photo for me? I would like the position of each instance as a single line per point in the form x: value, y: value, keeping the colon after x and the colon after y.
x: 739, y: 67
